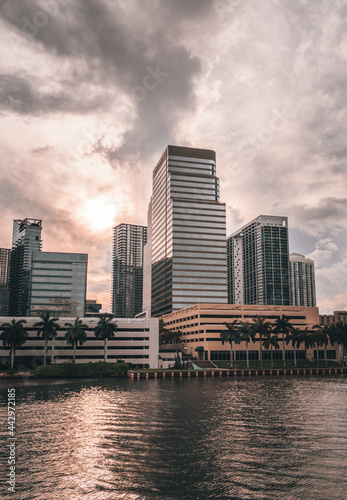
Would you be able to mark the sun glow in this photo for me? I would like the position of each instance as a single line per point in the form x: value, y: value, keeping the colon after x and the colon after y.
x: 99, y: 214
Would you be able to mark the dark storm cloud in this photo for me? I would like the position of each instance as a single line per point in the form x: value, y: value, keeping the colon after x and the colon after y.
x: 325, y: 209
x: 142, y: 58
x: 21, y: 96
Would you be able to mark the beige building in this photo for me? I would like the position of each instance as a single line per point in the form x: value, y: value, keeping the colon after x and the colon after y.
x: 202, y: 324
x: 136, y: 342
x: 332, y: 319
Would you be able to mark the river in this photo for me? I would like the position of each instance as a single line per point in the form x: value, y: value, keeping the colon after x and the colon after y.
x: 180, y: 439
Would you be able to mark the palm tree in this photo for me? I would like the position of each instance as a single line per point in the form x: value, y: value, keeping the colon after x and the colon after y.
x: 75, y: 334
x: 318, y: 338
x: 338, y: 333
x: 231, y: 335
x: 262, y: 327
x: 283, y: 326
x: 271, y: 340
x: 295, y: 337
x: 47, y: 327
x: 307, y: 340
x: 246, y: 333
x: 163, y: 333
x: 323, y: 339
x: 105, y: 330
x: 13, y: 335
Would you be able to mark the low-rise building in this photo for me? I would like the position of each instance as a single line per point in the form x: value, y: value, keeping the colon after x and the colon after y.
x: 202, y: 324
x: 332, y: 319
x: 136, y: 342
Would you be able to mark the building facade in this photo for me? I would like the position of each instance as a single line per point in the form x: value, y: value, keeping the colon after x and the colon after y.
x: 302, y: 281
x: 136, y: 342
x: 26, y: 239
x: 127, y: 269
x: 202, y: 324
x: 4, y: 272
x: 188, y: 232
x: 258, y: 262
x: 333, y: 319
x: 58, y: 284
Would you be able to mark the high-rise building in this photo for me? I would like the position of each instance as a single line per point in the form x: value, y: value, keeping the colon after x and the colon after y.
x: 186, y: 256
x: 26, y: 238
x: 127, y: 269
x: 58, y: 284
x: 258, y: 262
x: 4, y: 270
x: 302, y: 281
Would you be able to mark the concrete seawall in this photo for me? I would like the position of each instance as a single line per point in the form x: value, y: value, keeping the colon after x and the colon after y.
x: 147, y: 374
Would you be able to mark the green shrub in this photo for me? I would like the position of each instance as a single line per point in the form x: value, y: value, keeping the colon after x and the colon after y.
x: 69, y: 370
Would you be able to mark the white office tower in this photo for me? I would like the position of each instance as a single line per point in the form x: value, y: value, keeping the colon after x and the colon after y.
x: 187, y: 233
x: 302, y: 281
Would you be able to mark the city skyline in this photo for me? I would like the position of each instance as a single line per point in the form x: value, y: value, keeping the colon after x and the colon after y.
x: 87, y: 108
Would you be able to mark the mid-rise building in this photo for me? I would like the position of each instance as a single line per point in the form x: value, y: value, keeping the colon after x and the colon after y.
x: 58, y: 284
x: 26, y: 239
x: 92, y: 308
x: 333, y: 319
x: 302, y: 281
x: 136, y: 341
x: 4, y: 271
x: 127, y: 269
x: 201, y: 325
x: 258, y: 262
x: 186, y: 257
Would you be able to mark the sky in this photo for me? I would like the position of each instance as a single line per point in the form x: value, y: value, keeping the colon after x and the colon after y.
x: 92, y: 92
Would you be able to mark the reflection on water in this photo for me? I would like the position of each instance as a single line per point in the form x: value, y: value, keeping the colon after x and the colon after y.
x: 180, y: 439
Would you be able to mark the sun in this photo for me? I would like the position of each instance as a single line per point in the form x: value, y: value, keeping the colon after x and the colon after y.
x: 99, y: 214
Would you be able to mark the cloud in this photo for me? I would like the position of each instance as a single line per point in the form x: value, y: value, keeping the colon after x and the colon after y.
x: 92, y: 92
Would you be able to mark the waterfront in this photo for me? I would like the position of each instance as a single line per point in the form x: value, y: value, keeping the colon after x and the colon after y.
x: 180, y: 439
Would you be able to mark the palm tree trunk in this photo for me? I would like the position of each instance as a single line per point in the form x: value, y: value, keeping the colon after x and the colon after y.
x: 231, y: 355
x: 284, y: 353
x: 105, y: 350
x: 45, y: 353
x: 247, y: 357
x: 295, y: 357
x: 317, y: 357
x: 272, y: 359
x: 261, y: 352
x: 325, y: 355
x: 74, y: 352
x: 12, y: 356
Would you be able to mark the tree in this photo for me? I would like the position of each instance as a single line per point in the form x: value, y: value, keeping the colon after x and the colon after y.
x: 263, y: 327
x: 105, y: 330
x: 283, y: 326
x: 47, y: 327
x: 338, y: 333
x: 296, y: 338
x: 13, y: 335
x: 271, y: 340
x: 318, y: 338
x: 306, y: 339
x: 321, y: 335
x: 231, y: 335
x: 75, y: 334
x: 247, y: 333
x: 163, y: 333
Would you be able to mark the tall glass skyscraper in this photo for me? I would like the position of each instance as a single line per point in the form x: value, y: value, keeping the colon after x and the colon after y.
x: 26, y: 238
x: 187, y: 254
x: 127, y: 269
x: 258, y: 262
x: 58, y: 284
x: 4, y: 271
x: 302, y: 281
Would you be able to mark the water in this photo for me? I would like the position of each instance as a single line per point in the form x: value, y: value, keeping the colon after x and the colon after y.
x: 252, y: 438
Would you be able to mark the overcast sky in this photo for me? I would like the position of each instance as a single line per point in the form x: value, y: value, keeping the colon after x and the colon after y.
x: 92, y: 91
